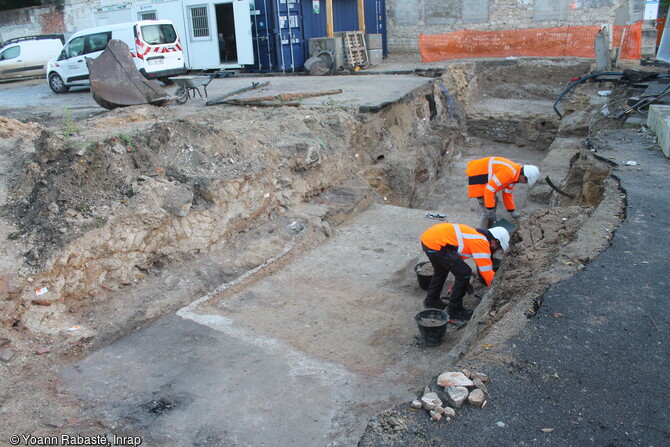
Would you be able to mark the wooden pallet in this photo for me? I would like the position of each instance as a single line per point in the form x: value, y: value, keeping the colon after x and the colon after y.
x: 356, y: 53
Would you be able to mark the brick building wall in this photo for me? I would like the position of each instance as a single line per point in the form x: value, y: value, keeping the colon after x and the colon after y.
x: 29, y: 21
x: 69, y: 17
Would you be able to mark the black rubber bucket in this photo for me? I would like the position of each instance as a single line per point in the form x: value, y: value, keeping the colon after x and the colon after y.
x: 424, y: 280
x: 432, y: 326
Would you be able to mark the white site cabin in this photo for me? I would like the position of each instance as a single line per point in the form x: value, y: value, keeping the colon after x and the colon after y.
x: 215, y: 34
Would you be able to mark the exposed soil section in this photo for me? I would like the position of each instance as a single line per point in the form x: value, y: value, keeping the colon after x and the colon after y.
x: 126, y: 216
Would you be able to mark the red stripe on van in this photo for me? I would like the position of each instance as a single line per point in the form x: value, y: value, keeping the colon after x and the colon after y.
x: 139, y: 47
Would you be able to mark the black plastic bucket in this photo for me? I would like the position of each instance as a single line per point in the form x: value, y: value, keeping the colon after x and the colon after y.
x: 424, y: 280
x: 432, y: 326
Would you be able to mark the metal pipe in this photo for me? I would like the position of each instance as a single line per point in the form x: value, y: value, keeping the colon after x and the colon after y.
x: 281, y: 45
x: 267, y: 33
x: 218, y: 99
x: 258, y: 40
x: 290, y: 33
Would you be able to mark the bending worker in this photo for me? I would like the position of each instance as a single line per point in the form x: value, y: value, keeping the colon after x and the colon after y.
x: 447, y: 245
x: 489, y: 175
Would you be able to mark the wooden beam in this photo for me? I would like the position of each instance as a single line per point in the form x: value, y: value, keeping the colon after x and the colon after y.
x: 361, y: 16
x: 329, y: 18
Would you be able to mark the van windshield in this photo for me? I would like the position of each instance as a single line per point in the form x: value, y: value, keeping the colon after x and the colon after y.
x: 158, y: 34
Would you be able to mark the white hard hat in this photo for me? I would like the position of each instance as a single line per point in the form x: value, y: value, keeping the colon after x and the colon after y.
x: 502, y: 235
x: 532, y: 173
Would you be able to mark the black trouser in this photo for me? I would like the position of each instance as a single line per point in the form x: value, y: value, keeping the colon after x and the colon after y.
x: 484, y: 221
x: 444, y: 261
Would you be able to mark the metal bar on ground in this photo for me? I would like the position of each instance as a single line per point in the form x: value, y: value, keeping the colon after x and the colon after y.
x: 253, y: 86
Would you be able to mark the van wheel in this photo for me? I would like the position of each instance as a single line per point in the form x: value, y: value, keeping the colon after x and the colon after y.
x: 166, y: 81
x: 56, y: 83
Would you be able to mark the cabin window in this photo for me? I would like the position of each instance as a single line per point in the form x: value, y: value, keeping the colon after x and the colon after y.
x: 199, y: 21
x: 147, y: 15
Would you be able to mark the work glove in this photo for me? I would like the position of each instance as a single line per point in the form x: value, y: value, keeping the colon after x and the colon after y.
x: 491, y: 214
x: 515, y: 214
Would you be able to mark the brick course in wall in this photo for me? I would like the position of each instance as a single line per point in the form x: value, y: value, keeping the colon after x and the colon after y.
x: 30, y: 21
x: 73, y: 16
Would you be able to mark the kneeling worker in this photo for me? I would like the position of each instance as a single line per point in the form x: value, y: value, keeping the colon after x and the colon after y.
x: 447, y: 245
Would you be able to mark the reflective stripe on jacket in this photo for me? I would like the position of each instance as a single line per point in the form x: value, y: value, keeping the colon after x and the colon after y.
x: 489, y: 175
x: 468, y: 243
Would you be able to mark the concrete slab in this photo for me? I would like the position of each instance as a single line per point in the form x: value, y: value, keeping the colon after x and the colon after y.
x: 266, y: 357
x: 367, y: 92
x: 181, y: 383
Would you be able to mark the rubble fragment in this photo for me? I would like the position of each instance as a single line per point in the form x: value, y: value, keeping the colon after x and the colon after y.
x: 456, y: 395
x: 448, y: 379
x: 430, y: 401
x: 476, y: 397
x: 6, y: 354
x: 461, y: 386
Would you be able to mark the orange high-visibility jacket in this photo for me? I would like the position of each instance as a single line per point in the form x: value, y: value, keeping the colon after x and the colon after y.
x: 468, y: 242
x: 489, y: 175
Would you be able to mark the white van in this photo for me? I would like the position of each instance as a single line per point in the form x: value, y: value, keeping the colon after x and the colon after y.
x: 154, y: 46
x: 24, y: 57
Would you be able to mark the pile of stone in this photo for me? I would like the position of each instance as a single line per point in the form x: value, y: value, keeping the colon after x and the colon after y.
x: 459, y: 387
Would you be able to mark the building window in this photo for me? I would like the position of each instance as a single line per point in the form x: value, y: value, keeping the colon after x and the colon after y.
x: 199, y: 22
x: 147, y: 15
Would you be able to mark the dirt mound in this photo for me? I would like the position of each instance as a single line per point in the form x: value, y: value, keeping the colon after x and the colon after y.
x: 10, y: 128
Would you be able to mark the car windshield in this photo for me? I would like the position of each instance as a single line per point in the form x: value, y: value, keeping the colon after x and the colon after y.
x: 158, y: 34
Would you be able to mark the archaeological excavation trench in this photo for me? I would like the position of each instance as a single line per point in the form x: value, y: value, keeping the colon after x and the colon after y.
x: 294, y: 232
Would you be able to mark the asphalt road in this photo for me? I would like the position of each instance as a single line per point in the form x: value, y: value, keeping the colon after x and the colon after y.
x: 598, y: 375
x: 33, y: 100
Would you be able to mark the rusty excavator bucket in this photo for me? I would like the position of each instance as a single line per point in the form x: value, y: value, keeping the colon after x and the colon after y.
x: 116, y: 81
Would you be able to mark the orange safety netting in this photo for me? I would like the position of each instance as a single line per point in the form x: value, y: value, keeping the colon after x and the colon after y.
x: 565, y: 41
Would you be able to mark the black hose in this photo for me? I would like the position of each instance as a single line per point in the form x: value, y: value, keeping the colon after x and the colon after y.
x: 557, y: 189
x: 579, y: 81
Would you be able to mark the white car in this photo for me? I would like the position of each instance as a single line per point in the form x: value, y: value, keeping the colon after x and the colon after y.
x: 25, y: 57
x: 154, y: 46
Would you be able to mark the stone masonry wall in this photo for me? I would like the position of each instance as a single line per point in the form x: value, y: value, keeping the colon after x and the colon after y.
x: 73, y: 16
x: 29, y: 21
x: 407, y: 19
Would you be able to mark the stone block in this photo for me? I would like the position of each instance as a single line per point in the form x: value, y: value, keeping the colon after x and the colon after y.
x: 375, y: 57
x: 658, y: 120
x: 373, y: 41
x: 333, y: 45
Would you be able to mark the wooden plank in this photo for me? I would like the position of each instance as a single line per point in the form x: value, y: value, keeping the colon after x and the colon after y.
x: 289, y: 96
x: 329, y: 18
x: 361, y: 16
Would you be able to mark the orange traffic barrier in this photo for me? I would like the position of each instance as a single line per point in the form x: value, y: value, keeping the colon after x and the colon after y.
x: 564, y: 41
